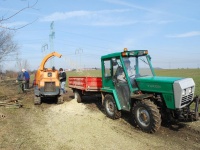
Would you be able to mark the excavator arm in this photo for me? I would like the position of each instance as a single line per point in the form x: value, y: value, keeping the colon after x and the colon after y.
x: 46, y: 59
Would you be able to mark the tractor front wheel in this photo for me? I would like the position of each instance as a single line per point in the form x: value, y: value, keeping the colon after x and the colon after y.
x: 146, y: 115
x: 110, y: 107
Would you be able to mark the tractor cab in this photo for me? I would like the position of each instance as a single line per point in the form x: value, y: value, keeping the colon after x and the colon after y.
x: 120, y: 71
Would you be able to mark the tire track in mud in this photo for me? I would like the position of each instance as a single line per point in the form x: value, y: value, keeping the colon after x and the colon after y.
x: 186, y: 135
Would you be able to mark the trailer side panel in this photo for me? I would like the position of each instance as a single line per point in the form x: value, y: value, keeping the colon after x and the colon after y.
x: 85, y: 83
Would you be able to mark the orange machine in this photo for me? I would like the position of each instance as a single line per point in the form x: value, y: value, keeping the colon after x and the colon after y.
x: 46, y: 83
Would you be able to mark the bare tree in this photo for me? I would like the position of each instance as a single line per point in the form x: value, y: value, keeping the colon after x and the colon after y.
x: 7, y: 45
x: 20, y: 64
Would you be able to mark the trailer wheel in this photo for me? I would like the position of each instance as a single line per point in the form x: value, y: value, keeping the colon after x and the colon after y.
x: 77, y: 96
x: 37, y: 100
x: 146, y: 115
x: 110, y: 107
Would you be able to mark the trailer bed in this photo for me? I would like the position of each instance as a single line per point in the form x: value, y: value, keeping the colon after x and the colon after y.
x: 85, y: 83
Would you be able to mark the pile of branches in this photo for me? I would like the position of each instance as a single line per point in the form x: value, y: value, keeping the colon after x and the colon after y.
x: 11, y: 103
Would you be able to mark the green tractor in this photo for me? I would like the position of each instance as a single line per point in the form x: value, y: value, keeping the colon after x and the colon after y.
x: 149, y: 98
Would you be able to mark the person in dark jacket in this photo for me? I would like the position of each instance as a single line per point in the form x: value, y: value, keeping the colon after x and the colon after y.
x: 20, y: 81
x: 63, y: 77
x: 27, y: 79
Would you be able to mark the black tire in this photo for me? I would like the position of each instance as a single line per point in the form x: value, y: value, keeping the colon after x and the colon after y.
x: 78, y: 96
x: 60, y: 100
x: 146, y: 115
x: 110, y: 107
x: 37, y: 100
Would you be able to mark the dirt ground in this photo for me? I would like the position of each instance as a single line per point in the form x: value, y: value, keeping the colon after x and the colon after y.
x: 81, y: 126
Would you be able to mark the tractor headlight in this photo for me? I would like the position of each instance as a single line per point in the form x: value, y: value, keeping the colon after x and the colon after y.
x: 190, y: 90
x: 184, y: 92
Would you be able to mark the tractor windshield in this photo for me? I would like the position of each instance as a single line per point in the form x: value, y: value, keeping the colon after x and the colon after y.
x: 134, y: 66
x: 143, y: 67
x: 138, y: 66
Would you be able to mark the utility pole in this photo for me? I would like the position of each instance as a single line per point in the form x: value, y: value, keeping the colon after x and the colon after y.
x: 51, y: 37
x: 79, y: 52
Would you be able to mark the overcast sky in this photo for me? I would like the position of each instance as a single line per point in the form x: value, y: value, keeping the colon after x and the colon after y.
x: 87, y: 29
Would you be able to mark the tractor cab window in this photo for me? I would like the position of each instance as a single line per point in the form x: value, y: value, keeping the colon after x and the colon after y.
x: 116, y: 66
x: 107, y: 66
x: 144, y: 69
x: 129, y: 67
x: 129, y: 63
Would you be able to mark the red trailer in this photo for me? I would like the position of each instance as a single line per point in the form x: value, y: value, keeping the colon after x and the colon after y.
x: 83, y: 86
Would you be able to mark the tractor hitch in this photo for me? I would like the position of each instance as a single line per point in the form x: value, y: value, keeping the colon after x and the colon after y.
x: 194, y: 115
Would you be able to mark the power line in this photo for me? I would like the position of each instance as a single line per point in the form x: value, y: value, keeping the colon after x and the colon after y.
x: 87, y: 36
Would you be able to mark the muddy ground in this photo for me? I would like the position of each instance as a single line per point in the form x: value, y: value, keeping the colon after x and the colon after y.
x: 73, y: 125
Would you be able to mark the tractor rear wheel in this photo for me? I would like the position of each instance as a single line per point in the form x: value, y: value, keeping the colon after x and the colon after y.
x: 111, y: 108
x: 37, y: 100
x: 146, y: 115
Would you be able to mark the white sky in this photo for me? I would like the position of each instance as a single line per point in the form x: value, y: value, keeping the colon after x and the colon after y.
x: 87, y: 29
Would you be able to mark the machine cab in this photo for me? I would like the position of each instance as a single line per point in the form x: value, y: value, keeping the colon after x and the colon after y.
x: 119, y: 71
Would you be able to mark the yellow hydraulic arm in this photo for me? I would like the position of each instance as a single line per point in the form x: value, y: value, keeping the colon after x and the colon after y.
x: 47, y: 57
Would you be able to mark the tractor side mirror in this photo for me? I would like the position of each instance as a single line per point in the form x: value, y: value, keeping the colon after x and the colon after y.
x: 114, y: 61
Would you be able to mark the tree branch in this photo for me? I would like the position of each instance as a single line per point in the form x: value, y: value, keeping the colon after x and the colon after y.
x: 19, y: 11
x: 5, y: 19
x: 18, y: 27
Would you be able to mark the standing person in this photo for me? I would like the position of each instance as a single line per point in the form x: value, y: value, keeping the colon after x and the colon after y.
x: 27, y: 79
x: 20, y: 81
x: 62, y: 80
